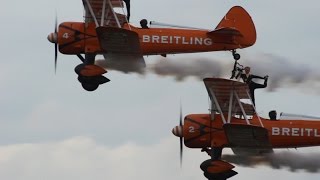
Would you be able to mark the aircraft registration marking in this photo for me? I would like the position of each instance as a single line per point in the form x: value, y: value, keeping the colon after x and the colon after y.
x: 176, y: 40
x: 277, y: 131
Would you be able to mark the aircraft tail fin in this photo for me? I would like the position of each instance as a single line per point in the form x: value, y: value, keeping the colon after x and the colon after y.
x: 238, y: 26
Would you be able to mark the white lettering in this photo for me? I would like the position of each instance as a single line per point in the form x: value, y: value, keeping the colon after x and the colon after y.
x: 308, y: 131
x: 184, y: 40
x: 208, y: 41
x: 155, y: 39
x: 198, y: 41
x: 191, y: 129
x: 65, y: 35
x: 275, y: 131
x: 285, y: 132
x: 164, y: 39
x: 316, y: 133
x: 191, y: 40
x: 145, y: 38
x: 177, y: 39
x: 295, y: 131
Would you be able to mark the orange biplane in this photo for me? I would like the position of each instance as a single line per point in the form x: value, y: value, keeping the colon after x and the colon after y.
x: 233, y: 123
x: 123, y: 45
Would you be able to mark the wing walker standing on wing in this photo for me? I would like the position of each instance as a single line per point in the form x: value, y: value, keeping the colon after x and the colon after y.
x: 247, y: 78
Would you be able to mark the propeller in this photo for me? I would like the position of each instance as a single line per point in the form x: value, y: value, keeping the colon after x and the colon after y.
x: 55, y: 45
x: 181, y: 137
x: 53, y: 38
x: 178, y: 131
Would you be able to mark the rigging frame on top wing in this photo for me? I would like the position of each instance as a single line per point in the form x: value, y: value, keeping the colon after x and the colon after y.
x: 227, y: 101
x: 120, y: 46
x: 227, y: 98
x: 102, y: 13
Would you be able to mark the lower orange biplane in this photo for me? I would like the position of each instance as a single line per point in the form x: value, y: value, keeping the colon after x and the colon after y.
x: 233, y: 123
x: 106, y: 32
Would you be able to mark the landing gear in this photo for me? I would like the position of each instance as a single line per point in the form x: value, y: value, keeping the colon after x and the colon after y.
x: 89, y: 86
x: 90, y: 75
x: 215, y: 168
x: 236, y: 56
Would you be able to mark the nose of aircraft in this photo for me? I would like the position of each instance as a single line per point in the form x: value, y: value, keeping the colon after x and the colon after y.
x: 178, y: 131
x: 53, y: 37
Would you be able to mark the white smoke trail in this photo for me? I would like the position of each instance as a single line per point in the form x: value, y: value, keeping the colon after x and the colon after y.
x: 282, y: 72
x: 183, y: 68
x: 293, y: 161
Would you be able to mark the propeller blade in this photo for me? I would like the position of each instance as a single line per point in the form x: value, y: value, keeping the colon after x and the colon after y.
x: 181, y: 138
x: 55, y: 44
x: 56, y: 24
x: 55, y: 56
x: 180, y: 122
x: 181, y: 150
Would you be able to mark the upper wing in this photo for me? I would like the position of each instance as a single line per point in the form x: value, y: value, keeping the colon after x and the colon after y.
x: 102, y: 12
x: 223, y: 90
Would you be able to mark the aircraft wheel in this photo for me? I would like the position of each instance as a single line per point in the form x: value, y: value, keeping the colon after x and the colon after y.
x: 236, y: 56
x: 90, y: 86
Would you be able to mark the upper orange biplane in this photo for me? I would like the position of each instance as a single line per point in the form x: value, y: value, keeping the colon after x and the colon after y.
x: 123, y: 45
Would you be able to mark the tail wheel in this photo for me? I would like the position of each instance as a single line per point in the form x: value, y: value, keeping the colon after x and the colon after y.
x: 236, y: 56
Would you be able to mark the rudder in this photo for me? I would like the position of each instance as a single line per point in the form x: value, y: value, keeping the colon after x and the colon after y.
x: 239, y: 19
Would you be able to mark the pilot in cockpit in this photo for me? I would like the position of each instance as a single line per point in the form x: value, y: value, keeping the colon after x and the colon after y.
x: 273, y: 115
x: 144, y: 24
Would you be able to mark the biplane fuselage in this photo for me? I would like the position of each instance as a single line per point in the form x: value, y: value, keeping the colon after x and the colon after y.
x: 123, y: 46
x: 78, y: 37
x: 234, y: 123
x: 281, y: 133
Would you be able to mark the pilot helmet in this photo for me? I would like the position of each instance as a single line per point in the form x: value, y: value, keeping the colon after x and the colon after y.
x: 143, y: 22
x: 273, y: 115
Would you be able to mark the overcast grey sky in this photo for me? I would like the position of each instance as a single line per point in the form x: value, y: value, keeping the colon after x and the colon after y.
x: 50, y: 128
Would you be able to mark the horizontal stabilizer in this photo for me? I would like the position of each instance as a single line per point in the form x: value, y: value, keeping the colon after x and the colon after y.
x: 225, y: 35
x: 225, y: 31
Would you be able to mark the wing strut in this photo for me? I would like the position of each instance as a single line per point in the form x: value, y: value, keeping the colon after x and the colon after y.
x: 114, y: 14
x: 230, y: 106
x: 254, y: 107
x: 92, y: 13
x: 242, y: 109
x: 218, y: 106
x: 103, y: 12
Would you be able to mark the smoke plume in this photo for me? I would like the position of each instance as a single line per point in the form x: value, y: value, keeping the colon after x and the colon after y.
x: 183, y: 68
x: 282, y: 72
x: 293, y: 161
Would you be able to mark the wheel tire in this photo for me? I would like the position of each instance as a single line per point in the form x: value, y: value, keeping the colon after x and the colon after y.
x: 90, y: 86
x: 236, y: 56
